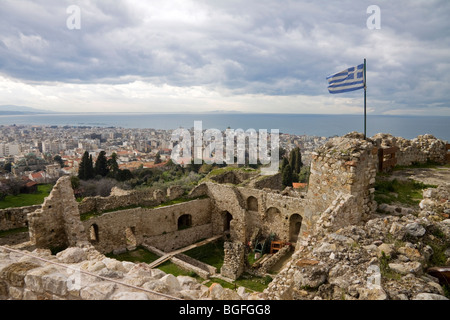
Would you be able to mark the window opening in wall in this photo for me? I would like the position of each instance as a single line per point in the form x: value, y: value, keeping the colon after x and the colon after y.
x: 184, y: 221
x: 295, y: 223
x: 227, y: 221
x: 252, y: 203
x: 93, y: 233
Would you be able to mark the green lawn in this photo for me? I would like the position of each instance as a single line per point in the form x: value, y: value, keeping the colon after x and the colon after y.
x: 24, y: 199
x: 211, y: 253
x: 143, y: 255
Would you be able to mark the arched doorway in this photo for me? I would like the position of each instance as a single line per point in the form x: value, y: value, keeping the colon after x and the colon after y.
x: 93, y: 233
x: 227, y: 217
x: 295, y: 223
x: 252, y: 204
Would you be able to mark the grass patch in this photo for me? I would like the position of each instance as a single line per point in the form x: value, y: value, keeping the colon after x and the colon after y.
x: 407, y: 192
x: 385, y: 270
x: 169, y: 267
x: 27, y: 199
x: 140, y: 254
x: 426, y: 165
x: 211, y: 253
x: 6, y: 233
x: 246, y: 280
x: 175, y: 201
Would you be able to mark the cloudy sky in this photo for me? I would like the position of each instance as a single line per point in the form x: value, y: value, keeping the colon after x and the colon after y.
x: 249, y: 56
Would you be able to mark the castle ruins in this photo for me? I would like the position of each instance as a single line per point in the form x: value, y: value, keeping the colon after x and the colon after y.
x: 340, y: 194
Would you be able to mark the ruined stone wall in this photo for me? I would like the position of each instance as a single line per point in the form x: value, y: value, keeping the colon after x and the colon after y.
x: 343, y: 165
x: 181, y: 238
x: 424, y: 148
x: 158, y: 226
x: 82, y: 273
x: 233, y: 265
x: 101, y: 204
x: 272, y: 182
x: 124, y: 198
x: 57, y: 223
x: 274, y: 212
x: 342, y: 212
x: 13, y: 218
x: 252, y: 209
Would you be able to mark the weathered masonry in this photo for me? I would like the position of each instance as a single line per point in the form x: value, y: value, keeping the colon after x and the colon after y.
x: 340, y: 193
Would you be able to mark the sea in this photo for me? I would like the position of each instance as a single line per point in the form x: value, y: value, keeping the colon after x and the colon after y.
x: 321, y: 125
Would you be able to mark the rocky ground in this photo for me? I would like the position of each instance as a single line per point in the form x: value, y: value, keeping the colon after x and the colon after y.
x: 384, y: 257
x: 435, y: 175
x: 83, y: 273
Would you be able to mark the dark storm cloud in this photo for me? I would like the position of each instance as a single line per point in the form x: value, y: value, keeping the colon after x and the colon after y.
x: 264, y: 47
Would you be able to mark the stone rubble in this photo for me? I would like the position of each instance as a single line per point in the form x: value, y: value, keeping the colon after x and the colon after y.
x: 384, y: 257
x: 345, y: 248
x: 27, y: 278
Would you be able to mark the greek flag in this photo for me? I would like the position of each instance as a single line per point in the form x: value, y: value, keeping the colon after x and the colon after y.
x: 348, y: 80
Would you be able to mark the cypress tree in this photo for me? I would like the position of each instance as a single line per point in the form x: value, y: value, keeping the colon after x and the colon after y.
x: 286, y: 176
x: 90, y: 174
x: 113, y: 167
x: 298, y: 160
x: 284, y: 163
x: 101, y: 164
x: 85, y: 170
x: 292, y: 158
x: 157, y: 158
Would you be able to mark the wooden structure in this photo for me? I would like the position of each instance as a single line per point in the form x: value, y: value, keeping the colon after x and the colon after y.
x: 386, y: 158
x: 275, y: 246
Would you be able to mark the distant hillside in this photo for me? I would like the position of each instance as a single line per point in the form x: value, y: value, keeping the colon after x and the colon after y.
x: 21, y: 110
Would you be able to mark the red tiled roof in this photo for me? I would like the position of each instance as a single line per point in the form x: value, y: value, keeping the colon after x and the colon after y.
x: 297, y: 185
x: 30, y: 184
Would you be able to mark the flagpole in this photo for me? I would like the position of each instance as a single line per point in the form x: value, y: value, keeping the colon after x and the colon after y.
x: 365, y: 98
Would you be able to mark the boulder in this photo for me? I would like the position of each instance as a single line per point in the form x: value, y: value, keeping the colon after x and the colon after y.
x: 372, y: 294
x: 407, y: 267
x: 72, y: 255
x: 98, y: 291
x: 429, y: 296
x: 311, y: 277
x: 388, y: 250
x: 171, y: 282
x: 414, y: 229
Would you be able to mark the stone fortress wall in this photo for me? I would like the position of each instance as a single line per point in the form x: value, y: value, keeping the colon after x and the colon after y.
x: 340, y: 193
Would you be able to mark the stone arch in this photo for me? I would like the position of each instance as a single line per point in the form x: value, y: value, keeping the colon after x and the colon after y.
x: 272, y: 211
x: 274, y: 222
x: 184, y: 221
x: 93, y: 233
x: 295, y: 223
x: 252, y: 204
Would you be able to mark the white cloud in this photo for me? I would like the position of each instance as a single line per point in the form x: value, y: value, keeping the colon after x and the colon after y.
x: 252, y: 55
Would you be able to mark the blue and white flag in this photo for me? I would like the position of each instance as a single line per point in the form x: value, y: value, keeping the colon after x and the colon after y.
x: 348, y: 80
